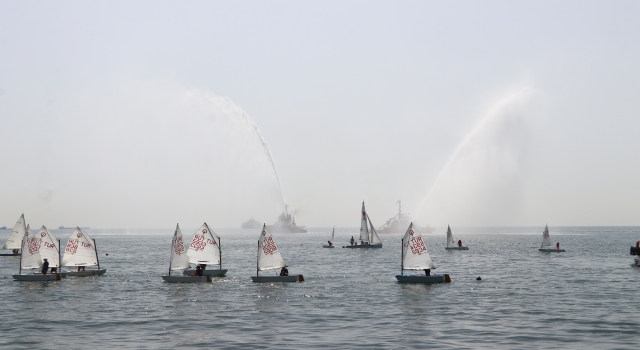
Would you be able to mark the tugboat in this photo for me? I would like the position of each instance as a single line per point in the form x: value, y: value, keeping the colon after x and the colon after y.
x: 398, y: 223
x: 251, y: 224
x: 286, y: 224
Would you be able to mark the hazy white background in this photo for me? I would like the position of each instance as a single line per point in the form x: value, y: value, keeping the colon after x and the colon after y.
x: 144, y: 114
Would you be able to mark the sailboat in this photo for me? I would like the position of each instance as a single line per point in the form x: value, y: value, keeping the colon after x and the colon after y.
x: 415, y: 256
x: 333, y: 235
x: 205, y: 250
x: 269, y: 258
x: 368, y: 235
x: 546, y: 242
x: 180, y: 261
x: 451, y: 244
x: 81, y: 251
x: 35, y: 248
x: 14, y: 242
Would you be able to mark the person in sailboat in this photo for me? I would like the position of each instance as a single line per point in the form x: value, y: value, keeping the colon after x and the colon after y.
x: 15, y: 251
x: 284, y: 271
x: 459, y: 243
x: 45, y: 266
x: 330, y: 244
x: 203, y: 267
x: 558, y: 245
x: 427, y: 272
x: 199, y: 271
x: 81, y: 268
x: 352, y: 240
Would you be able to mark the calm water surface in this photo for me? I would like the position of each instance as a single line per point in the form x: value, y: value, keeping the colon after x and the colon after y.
x: 584, y: 298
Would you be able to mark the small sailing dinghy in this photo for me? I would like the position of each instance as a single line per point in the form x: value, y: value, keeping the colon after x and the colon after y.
x: 14, y: 242
x: 368, y: 235
x: 416, y: 257
x: 180, y: 261
x: 269, y: 258
x: 546, y: 242
x: 451, y: 244
x: 333, y: 235
x: 35, y: 248
x: 80, y: 252
x: 205, y: 250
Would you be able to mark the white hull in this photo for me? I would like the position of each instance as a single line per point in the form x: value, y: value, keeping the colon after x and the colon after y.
x: 551, y: 250
x: 456, y: 248
x: 187, y: 279
x: 434, y: 278
x: 87, y: 273
x: 37, y: 278
x: 271, y: 279
x: 328, y: 246
x: 213, y: 273
x: 363, y: 246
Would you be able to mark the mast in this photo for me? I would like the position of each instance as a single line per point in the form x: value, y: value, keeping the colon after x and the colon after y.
x: 258, y: 257
x: 220, y: 251
x: 173, y: 241
x: 59, y: 258
x: 402, y: 258
x: 21, y: 252
x: 95, y: 248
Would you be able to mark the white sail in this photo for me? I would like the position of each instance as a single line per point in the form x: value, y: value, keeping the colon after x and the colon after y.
x: 49, y: 247
x: 414, y: 251
x: 204, y: 247
x: 30, y: 258
x: 269, y: 257
x: 546, y: 241
x: 179, y: 258
x: 80, y: 250
x: 15, y: 238
x: 364, y: 228
x: 374, y: 235
x: 333, y: 234
x: 449, y: 236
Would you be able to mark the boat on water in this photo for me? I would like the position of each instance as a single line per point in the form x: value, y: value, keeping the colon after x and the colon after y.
x: 14, y: 241
x: 397, y: 223
x: 251, y: 224
x: 451, y: 243
x: 180, y: 261
x: 546, y: 242
x: 269, y: 258
x: 330, y: 242
x: 35, y: 249
x: 3, y: 228
x: 368, y: 235
x: 205, y: 250
x: 71, y: 228
x: 81, y: 252
x: 415, y: 256
x: 286, y: 224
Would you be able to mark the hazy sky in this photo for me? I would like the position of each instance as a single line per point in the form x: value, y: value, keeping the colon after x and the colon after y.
x: 144, y: 114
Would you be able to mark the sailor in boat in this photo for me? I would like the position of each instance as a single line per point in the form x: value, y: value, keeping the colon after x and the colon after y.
x: 80, y: 268
x: 15, y: 251
x: 199, y: 271
x: 352, y: 240
x: 45, y: 266
x: 558, y: 245
x: 459, y: 243
x: 427, y: 272
x: 203, y: 267
x: 330, y: 244
x: 284, y: 271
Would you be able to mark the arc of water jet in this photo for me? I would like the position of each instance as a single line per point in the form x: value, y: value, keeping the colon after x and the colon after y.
x: 490, y: 115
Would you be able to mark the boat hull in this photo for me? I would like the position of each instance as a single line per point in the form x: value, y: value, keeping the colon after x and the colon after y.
x: 328, y: 246
x: 212, y: 273
x: 38, y: 277
x: 434, y: 278
x: 547, y: 250
x: 362, y: 246
x: 87, y: 273
x: 272, y: 279
x: 456, y: 248
x: 187, y: 279
x: 10, y: 254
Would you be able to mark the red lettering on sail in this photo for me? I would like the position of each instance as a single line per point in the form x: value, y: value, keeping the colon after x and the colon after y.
x: 49, y: 245
x: 72, y: 246
x: 417, y: 245
x: 86, y: 245
x: 269, y: 246
x: 198, y: 243
x: 179, y: 246
x: 210, y: 241
x: 34, y: 244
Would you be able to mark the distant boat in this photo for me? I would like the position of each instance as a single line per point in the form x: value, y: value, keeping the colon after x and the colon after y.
x: 35, y: 248
x: 179, y: 261
x: 71, y: 228
x: 331, y: 245
x: 368, y: 235
x: 415, y: 256
x: 269, y: 258
x: 14, y: 241
x: 286, y: 224
x: 205, y: 250
x: 81, y: 251
x: 398, y: 223
x: 3, y: 228
x: 251, y: 224
x: 546, y: 242
x: 451, y: 244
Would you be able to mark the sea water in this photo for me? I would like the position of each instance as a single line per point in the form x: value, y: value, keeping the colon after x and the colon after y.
x: 585, y: 298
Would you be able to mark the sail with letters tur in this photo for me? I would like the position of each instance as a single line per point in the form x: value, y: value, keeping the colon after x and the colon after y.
x: 15, y: 238
x: 49, y: 247
x: 269, y: 256
x: 205, y: 247
x: 414, y: 251
x: 81, y: 250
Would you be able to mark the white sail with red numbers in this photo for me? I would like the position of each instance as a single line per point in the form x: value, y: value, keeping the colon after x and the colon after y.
x: 80, y: 250
x: 364, y: 225
x: 546, y: 240
x: 49, y: 246
x: 179, y: 259
x: 269, y: 257
x: 30, y: 258
x: 414, y: 251
x: 204, y: 247
x: 15, y: 238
